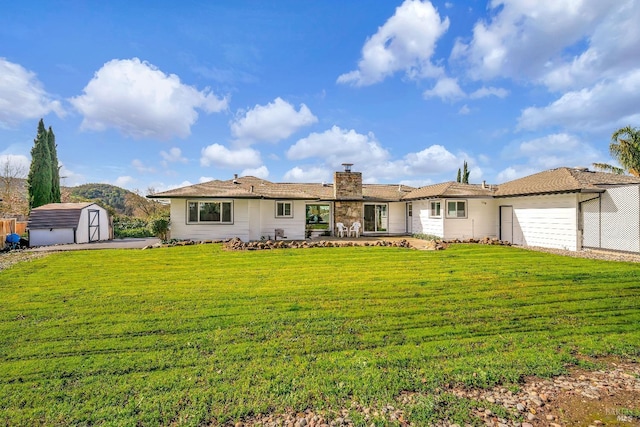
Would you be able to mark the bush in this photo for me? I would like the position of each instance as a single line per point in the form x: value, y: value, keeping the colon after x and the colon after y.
x: 426, y: 237
x: 133, y: 232
x: 125, y: 226
x: 160, y: 227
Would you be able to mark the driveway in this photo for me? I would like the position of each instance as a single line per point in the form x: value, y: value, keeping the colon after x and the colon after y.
x: 108, y: 244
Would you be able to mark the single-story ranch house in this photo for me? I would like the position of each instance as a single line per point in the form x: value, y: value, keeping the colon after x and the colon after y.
x: 565, y: 208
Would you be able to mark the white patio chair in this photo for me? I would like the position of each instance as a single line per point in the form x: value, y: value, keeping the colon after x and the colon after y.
x: 355, y: 229
x: 342, y: 229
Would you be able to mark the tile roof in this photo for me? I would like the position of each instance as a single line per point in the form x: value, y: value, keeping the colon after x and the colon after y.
x: 560, y: 180
x: 255, y: 188
x: 563, y: 180
x: 450, y: 189
x: 56, y: 215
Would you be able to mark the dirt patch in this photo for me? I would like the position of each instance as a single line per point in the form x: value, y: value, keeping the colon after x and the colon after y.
x: 606, y: 397
x: 608, y: 410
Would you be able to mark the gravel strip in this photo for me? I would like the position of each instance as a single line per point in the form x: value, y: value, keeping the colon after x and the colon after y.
x: 534, y: 404
x: 589, y: 253
x: 7, y: 259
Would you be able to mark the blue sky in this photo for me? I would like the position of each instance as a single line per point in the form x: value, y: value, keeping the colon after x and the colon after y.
x: 163, y: 94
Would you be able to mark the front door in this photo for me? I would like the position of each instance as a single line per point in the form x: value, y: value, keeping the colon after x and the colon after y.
x: 506, y: 223
x: 94, y: 225
x: 375, y: 218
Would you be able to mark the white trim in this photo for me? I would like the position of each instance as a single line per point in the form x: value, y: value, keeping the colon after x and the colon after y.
x: 198, y: 206
x: 431, y: 202
x: 284, y: 203
x: 466, y: 208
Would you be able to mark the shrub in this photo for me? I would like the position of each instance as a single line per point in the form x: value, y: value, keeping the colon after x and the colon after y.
x: 160, y: 227
x: 125, y: 226
x: 426, y: 236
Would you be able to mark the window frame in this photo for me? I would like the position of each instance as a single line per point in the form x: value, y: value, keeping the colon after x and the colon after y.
x: 457, y: 216
x: 283, y: 203
x: 434, y: 202
x: 198, y: 206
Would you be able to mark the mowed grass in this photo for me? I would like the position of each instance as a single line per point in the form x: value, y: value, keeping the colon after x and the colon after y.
x: 194, y: 335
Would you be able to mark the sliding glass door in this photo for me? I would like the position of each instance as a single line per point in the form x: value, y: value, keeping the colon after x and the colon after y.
x: 375, y: 218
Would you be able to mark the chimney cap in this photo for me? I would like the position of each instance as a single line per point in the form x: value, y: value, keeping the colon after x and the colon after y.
x: 347, y: 167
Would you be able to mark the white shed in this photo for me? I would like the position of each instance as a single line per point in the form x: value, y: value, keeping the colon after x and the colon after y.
x: 60, y: 223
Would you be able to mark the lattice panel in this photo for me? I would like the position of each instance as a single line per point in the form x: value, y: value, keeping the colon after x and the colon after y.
x: 620, y: 219
x: 591, y: 223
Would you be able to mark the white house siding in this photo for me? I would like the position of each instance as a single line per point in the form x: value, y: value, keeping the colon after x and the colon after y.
x: 255, y: 219
x: 181, y: 230
x: 294, y: 228
x: 422, y: 224
x: 46, y: 237
x: 481, y: 220
x: 82, y: 232
x: 547, y: 221
x: 397, y: 218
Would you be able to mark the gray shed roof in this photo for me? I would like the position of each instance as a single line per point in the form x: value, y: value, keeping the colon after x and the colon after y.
x: 56, y: 215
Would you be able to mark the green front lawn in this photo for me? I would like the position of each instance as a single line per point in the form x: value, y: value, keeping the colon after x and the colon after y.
x: 192, y: 334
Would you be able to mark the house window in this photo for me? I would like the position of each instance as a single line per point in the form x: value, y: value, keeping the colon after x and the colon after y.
x: 434, y: 210
x: 284, y: 210
x: 375, y: 218
x: 210, y: 212
x: 457, y: 209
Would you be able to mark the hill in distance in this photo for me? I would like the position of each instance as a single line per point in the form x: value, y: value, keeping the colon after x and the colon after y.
x: 115, y: 199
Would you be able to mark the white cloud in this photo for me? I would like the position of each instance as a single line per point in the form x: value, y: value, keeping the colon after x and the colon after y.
x: 406, y: 42
x: 272, y: 122
x: 433, y: 160
x: 308, y: 174
x: 336, y: 146
x: 70, y: 178
x: 140, y: 167
x: 464, y: 110
x: 524, y: 38
x: 14, y: 165
x: 483, y: 92
x: 124, y: 181
x: 160, y: 186
x: 22, y: 96
x: 446, y: 88
x: 547, y: 152
x: 220, y: 156
x: 606, y: 105
x: 141, y: 101
x: 261, y: 172
x: 205, y: 179
x: 612, y: 46
x: 172, y: 156
x: 514, y: 172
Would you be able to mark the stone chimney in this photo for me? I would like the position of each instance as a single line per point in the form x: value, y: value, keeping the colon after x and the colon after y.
x: 347, y: 192
x: 347, y: 185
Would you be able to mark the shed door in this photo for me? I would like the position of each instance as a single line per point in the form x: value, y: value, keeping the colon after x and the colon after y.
x: 506, y: 223
x: 94, y: 225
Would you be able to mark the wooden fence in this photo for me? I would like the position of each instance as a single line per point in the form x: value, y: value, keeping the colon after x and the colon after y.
x: 8, y: 226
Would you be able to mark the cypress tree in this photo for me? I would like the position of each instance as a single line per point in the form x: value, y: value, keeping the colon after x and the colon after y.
x: 55, y: 169
x: 458, y: 178
x: 465, y: 173
x: 40, y: 173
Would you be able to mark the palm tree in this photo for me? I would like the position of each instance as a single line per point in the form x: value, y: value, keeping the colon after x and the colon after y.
x: 625, y: 148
